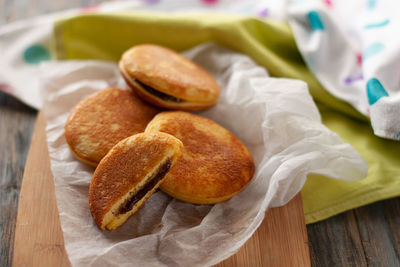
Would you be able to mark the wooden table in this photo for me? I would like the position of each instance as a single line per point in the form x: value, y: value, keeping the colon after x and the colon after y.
x: 367, y: 236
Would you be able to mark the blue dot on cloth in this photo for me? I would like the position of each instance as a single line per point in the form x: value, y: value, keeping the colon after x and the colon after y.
x: 372, y: 50
x: 397, y: 136
x: 35, y: 54
x: 377, y: 24
x: 315, y: 21
x: 371, y: 4
x: 375, y: 90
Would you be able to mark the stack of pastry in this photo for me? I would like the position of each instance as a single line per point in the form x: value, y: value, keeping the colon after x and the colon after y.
x: 140, y: 139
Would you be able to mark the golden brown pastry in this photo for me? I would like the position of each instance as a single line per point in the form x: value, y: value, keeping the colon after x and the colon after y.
x: 166, y: 79
x: 127, y: 176
x: 103, y: 119
x: 215, y: 165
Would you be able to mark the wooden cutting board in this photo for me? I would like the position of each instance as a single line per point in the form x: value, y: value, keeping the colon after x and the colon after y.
x: 281, y: 240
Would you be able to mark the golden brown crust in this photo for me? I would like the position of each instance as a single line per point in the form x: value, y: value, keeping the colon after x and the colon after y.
x: 124, y: 167
x: 215, y: 165
x: 86, y: 161
x: 102, y: 119
x: 171, y: 73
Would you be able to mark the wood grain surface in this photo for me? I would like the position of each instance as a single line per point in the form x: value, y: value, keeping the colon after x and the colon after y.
x: 367, y: 236
x: 38, y: 236
x: 281, y: 239
x: 16, y: 125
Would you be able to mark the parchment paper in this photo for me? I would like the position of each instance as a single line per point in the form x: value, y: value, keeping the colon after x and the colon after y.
x: 275, y: 118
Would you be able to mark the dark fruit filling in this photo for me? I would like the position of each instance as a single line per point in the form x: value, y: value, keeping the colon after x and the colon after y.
x: 130, y: 202
x: 159, y: 94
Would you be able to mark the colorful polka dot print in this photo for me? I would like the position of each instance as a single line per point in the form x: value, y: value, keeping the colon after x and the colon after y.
x: 377, y: 24
x: 371, y: 4
x: 315, y: 21
x: 263, y: 13
x: 6, y: 88
x: 350, y: 80
x: 209, y: 2
x: 375, y: 91
x: 359, y: 59
x: 372, y: 50
x: 328, y: 3
x: 35, y: 54
x: 397, y: 135
x: 90, y: 9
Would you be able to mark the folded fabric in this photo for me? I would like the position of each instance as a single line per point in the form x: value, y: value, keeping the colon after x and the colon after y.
x: 353, y: 48
x: 271, y: 44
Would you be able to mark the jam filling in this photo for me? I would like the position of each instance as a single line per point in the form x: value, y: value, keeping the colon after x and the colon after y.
x: 130, y: 202
x: 159, y: 94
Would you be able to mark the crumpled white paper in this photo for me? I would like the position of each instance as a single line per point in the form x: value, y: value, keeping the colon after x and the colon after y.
x: 275, y: 118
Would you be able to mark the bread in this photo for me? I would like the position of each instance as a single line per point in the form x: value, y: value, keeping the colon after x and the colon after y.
x: 215, y: 165
x: 130, y: 172
x: 166, y: 79
x: 103, y: 119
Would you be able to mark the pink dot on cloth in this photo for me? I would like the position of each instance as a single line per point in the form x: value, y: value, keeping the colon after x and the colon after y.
x: 6, y: 88
x: 328, y: 2
x: 209, y: 2
x: 359, y: 58
x: 89, y: 9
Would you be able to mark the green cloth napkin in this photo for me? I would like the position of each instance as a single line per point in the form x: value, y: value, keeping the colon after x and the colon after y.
x: 271, y: 44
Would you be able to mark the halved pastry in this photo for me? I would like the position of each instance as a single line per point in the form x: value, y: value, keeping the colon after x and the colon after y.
x: 127, y: 176
x: 166, y: 79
